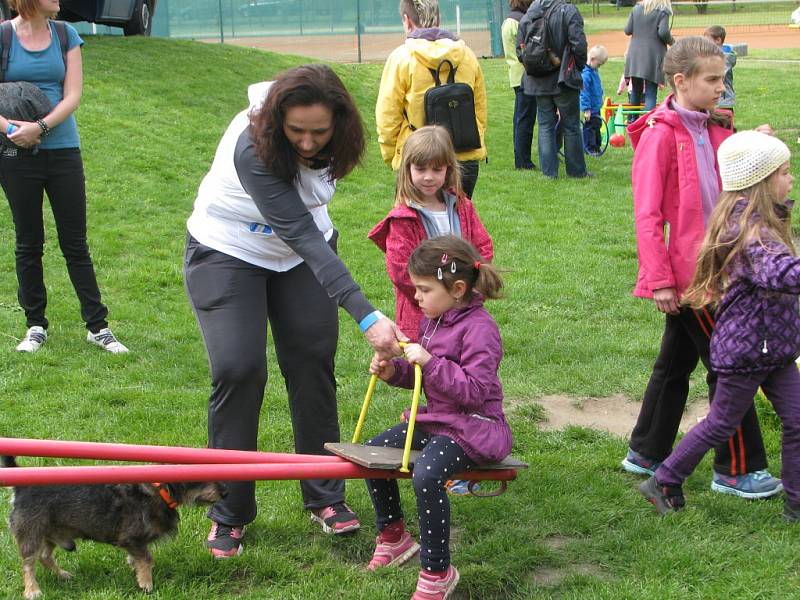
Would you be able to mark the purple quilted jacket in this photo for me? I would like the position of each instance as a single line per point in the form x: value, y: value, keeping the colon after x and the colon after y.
x: 464, y: 394
x: 758, y: 322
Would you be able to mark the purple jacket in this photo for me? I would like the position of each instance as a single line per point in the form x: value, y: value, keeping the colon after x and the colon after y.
x: 758, y: 323
x: 465, y: 397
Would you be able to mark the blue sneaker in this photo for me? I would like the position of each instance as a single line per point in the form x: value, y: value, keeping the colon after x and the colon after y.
x: 639, y: 464
x: 759, y: 484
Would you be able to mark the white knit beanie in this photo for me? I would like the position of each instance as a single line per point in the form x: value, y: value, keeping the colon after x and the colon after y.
x: 748, y: 157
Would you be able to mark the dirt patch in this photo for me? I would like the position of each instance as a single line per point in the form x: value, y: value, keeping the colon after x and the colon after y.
x: 553, y: 576
x: 557, y: 542
x: 755, y: 36
x: 614, y: 414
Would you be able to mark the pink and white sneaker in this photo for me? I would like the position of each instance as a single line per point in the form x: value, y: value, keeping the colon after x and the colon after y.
x: 393, y: 554
x: 225, y: 541
x: 436, y: 587
x: 336, y: 518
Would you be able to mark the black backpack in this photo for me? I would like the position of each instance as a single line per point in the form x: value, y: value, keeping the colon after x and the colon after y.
x: 536, y: 55
x: 452, y: 105
x: 6, y: 32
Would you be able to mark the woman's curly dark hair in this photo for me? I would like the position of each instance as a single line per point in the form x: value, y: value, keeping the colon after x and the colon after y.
x: 305, y: 86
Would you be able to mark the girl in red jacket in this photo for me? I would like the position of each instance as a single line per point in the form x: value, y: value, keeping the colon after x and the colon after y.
x: 675, y: 178
x: 429, y: 203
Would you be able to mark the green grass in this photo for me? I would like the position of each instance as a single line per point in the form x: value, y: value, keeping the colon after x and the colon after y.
x: 571, y: 527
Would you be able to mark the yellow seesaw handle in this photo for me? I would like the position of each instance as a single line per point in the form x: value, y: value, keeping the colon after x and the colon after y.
x: 412, y: 417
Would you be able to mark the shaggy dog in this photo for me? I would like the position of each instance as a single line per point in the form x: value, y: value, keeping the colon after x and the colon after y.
x: 129, y: 516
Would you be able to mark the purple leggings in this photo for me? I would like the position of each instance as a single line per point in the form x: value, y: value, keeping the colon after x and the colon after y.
x: 733, y: 397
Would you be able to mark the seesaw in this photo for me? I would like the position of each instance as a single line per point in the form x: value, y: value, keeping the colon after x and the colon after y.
x: 350, y: 461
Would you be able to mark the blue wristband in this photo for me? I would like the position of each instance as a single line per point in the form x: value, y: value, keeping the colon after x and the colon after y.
x: 11, y: 129
x: 369, y: 320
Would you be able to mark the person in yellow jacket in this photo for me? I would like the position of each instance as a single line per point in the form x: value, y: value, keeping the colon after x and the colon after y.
x: 406, y: 78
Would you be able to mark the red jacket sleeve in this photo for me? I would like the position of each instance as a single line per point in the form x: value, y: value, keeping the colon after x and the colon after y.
x: 649, y: 178
x: 401, y: 241
x: 478, y: 236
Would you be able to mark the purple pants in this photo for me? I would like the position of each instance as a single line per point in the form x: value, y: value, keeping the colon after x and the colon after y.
x: 733, y: 397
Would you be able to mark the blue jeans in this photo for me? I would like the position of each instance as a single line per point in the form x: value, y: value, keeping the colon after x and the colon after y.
x: 568, y: 106
x: 524, y: 120
x: 650, y: 92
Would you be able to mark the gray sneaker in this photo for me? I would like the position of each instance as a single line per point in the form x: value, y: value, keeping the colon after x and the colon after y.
x: 666, y: 498
x: 34, y: 339
x: 752, y: 486
x: 106, y: 340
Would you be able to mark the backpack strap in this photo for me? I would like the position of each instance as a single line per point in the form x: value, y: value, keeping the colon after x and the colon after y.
x: 6, y: 31
x: 63, y: 41
x: 436, y: 73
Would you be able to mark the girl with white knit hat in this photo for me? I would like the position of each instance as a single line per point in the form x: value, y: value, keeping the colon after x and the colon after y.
x: 748, y: 269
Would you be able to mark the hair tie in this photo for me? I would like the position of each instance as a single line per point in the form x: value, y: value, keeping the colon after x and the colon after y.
x: 444, y: 259
x: 477, y: 265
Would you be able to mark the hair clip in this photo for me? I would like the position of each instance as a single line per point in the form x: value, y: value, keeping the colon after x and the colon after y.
x: 439, y: 275
x: 477, y: 265
x: 453, y: 267
x: 444, y: 259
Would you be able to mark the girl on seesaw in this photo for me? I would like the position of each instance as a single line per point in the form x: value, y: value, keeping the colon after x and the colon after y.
x: 463, y: 424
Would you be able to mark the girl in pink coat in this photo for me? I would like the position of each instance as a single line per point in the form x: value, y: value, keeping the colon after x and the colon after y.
x: 428, y: 203
x: 675, y: 178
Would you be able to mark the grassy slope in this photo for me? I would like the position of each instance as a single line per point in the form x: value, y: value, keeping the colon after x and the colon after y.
x: 153, y: 112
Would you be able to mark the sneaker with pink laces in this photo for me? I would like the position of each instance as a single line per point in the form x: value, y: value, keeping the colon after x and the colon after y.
x: 224, y: 541
x: 393, y: 554
x: 336, y: 518
x: 436, y: 587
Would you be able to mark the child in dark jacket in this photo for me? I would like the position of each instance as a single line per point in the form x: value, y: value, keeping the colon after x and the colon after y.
x: 748, y: 268
x: 463, y: 423
x: 592, y: 99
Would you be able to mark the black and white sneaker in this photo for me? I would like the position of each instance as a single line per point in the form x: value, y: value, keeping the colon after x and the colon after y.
x: 106, y: 340
x: 33, y: 340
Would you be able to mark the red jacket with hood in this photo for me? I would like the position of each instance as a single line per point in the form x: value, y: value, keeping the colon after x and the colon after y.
x: 399, y: 234
x: 667, y: 200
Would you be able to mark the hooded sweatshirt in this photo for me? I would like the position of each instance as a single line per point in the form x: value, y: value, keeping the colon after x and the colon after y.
x: 406, y: 77
x: 463, y: 391
x: 667, y: 198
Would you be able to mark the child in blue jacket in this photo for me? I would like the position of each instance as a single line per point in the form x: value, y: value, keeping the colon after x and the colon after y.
x: 592, y: 99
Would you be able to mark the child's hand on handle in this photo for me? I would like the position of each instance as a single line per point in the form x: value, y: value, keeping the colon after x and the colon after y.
x: 381, y: 367
x: 667, y: 300
x: 765, y: 128
x: 383, y: 336
x: 417, y: 354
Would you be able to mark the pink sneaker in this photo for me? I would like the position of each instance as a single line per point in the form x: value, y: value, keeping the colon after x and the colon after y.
x: 393, y: 554
x: 224, y: 541
x: 430, y: 587
x: 336, y: 518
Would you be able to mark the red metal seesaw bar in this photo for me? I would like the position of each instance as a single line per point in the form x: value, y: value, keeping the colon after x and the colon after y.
x: 277, y: 467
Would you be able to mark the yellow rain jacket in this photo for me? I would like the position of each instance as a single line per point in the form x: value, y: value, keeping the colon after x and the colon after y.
x: 405, y: 80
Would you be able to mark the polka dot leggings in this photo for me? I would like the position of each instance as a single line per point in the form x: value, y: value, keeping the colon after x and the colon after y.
x: 441, y: 458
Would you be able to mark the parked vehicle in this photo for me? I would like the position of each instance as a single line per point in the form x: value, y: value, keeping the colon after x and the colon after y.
x: 135, y: 17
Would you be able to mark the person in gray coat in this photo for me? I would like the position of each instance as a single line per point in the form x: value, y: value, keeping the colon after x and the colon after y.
x: 649, y: 28
x: 559, y: 90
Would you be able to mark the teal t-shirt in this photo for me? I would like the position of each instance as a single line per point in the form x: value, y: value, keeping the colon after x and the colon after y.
x: 45, y: 69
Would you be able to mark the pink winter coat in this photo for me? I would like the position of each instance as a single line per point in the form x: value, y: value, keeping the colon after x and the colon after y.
x: 666, y: 192
x: 398, y: 235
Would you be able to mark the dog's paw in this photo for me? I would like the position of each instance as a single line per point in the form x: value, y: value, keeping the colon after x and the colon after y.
x: 146, y: 587
x: 33, y: 594
x: 62, y: 574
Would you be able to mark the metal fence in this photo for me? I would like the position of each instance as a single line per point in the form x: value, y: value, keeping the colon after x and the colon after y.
x: 367, y: 30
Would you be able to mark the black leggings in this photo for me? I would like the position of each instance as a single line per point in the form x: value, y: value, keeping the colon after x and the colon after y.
x: 685, y: 342
x: 233, y: 301
x: 441, y: 458
x: 25, y: 178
